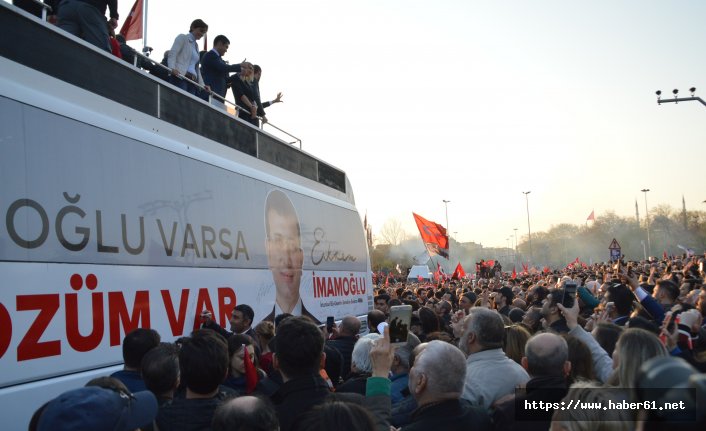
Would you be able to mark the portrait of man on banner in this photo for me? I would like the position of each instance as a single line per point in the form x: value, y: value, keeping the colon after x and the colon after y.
x: 285, y: 256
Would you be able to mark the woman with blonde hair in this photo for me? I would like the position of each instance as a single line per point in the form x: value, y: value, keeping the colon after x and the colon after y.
x: 242, y: 86
x: 634, y: 347
x: 265, y: 332
x: 589, y: 419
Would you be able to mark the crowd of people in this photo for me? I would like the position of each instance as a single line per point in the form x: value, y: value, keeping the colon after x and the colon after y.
x: 520, y: 331
x: 479, y: 351
x: 202, y: 73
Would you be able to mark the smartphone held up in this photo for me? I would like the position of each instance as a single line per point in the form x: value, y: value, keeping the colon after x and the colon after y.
x: 400, y: 319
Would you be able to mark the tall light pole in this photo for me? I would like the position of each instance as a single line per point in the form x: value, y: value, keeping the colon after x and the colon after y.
x: 515, y: 259
x: 529, y: 231
x: 446, y: 208
x: 647, y: 220
x: 678, y: 99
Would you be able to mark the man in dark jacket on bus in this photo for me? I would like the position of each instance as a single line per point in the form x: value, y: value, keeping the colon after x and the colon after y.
x: 86, y: 19
x: 214, y: 70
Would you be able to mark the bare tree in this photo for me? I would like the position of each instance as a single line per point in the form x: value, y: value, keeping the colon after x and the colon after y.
x: 392, y: 232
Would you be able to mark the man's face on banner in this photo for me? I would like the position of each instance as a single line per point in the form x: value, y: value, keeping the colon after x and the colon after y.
x: 284, y: 253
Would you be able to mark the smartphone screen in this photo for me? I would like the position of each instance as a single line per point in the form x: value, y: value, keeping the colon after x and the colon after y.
x: 569, y: 295
x: 329, y: 324
x: 400, y: 318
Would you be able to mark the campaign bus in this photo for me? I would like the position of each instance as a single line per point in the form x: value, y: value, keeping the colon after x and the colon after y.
x: 129, y: 203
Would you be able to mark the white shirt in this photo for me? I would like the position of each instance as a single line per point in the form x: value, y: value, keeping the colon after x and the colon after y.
x: 296, y: 311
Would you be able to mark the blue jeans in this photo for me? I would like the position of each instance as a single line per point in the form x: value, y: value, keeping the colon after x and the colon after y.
x: 85, y: 21
x: 183, y: 84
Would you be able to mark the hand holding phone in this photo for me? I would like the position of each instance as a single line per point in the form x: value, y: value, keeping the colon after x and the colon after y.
x: 569, y: 295
x: 400, y: 319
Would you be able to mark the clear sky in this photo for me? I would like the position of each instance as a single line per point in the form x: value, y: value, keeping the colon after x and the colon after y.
x: 477, y: 101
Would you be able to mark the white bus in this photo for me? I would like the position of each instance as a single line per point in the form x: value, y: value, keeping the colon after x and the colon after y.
x: 128, y: 203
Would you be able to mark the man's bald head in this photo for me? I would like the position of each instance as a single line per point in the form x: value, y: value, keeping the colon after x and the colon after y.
x: 350, y: 326
x: 245, y: 413
x: 546, y: 355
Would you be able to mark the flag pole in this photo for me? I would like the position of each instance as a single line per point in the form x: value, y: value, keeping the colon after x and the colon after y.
x: 432, y: 261
x: 144, y: 26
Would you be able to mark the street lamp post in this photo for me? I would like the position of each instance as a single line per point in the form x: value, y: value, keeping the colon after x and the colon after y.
x: 529, y: 231
x: 647, y: 220
x: 678, y: 99
x: 446, y: 209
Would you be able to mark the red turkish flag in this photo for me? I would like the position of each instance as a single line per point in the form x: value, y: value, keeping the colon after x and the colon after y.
x: 591, y: 217
x: 458, y: 272
x: 250, y: 372
x: 433, y: 235
x: 132, y: 27
x: 514, y: 273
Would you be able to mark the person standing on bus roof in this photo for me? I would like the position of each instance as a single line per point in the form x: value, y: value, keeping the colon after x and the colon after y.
x: 257, y: 74
x: 284, y: 254
x: 215, y: 71
x: 86, y: 19
x: 184, y: 58
x: 241, y: 85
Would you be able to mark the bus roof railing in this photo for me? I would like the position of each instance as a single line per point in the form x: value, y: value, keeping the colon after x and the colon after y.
x: 211, y: 95
x: 45, y: 8
x: 60, y: 55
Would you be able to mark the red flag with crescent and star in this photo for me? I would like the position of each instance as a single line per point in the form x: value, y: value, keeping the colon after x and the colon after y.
x: 433, y: 235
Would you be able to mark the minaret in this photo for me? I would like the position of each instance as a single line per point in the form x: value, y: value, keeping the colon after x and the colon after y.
x: 683, y: 213
x: 637, y: 213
